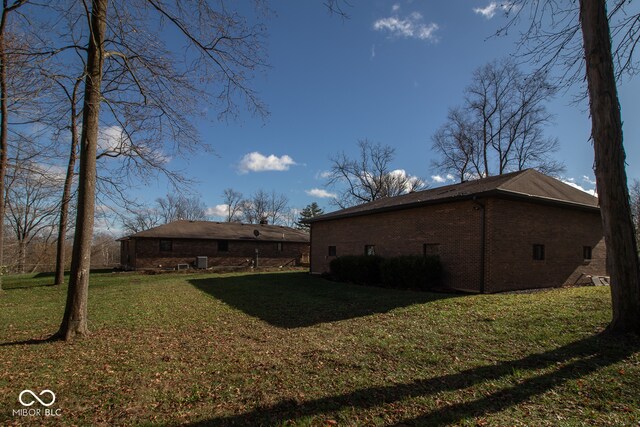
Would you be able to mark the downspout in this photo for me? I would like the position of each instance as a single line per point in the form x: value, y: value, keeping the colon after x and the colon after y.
x: 483, y: 239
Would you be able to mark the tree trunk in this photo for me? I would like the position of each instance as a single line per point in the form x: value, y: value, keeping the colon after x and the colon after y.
x: 66, y: 193
x: 4, y: 126
x: 611, y: 178
x: 74, y: 322
x: 22, y: 255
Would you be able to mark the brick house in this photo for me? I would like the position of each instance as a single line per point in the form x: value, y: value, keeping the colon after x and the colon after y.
x: 515, y: 231
x: 203, y: 244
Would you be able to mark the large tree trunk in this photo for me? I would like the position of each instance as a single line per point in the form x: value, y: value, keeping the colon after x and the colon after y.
x: 22, y: 255
x: 66, y: 193
x: 4, y: 125
x: 611, y: 178
x: 74, y: 322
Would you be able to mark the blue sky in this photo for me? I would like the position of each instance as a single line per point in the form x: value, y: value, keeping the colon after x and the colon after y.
x: 388, y: 74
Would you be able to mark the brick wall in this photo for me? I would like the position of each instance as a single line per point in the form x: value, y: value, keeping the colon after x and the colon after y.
x: 145, y: 253
x: 454, y: 227
x: 514, y: 227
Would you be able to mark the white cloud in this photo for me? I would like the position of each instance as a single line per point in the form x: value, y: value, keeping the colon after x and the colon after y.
x: 217, y: 210
x: 373, y: 51
x: 323, y: 174
x: 395, y: 7
x: 588, y: 180
x: 411, y: 180
x: 411, y: 26
x: 256, y: 162
x: 490, y: 10
x: 571, y: 182
x: 439, y: 179
x: 320, y: 193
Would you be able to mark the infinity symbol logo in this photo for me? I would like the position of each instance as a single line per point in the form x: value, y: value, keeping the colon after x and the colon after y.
x: 35, y: 396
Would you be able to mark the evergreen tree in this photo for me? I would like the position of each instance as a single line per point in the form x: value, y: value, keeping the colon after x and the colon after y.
x: 308, y: 212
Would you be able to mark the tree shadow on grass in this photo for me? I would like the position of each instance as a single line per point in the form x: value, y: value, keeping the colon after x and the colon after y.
x: 568, y: 362
x: 33, y: 341
x: 66, y: 273
x: 295, y: 300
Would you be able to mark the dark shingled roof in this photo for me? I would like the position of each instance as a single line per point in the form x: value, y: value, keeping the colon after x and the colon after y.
x: 527, y: 184
x: 183, y: 229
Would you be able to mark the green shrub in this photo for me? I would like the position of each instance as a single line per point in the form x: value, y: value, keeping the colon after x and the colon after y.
x: 403, y: 272
x: 361, y: 269
x: 411, y: 272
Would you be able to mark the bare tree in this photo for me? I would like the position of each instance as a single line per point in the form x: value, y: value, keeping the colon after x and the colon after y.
x: 578, y: 38
x: 72, y: 97
x: 611, y: 177
x: 105, y: 250
x: 222, y: 52
x: 32, y: 205
x: 457, y: 145
x: 233, y: 200
x: 264, y: 206
x: 6, y: 71
x: 369, y: 176
x: 141, y: 220
x: 74, y: 322
x: 499, y: 128
x: 176, y: 207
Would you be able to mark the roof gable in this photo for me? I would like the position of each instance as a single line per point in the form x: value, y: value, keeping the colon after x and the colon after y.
x: 528, y: 183
x: 183, y: 229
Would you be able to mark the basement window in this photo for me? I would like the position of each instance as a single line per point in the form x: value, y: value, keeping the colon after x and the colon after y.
x: 332, y: 251
x: 223, y: 246
x: 369, y: 249
x: 538, y: 252
x: 586, y: 253
x: 166, y: 245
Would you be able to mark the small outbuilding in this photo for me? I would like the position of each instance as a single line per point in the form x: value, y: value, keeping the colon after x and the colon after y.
x: 515, y: 231
x: 204, y: 244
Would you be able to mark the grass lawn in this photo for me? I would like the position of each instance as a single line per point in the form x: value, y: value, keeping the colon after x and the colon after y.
x: 290, y: 349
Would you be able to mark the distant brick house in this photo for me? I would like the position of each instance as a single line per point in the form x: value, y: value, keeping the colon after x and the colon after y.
x: 204, y: 244
x: 515, y: 231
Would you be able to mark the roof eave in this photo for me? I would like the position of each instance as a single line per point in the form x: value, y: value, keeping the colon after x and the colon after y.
x: 471, y: 196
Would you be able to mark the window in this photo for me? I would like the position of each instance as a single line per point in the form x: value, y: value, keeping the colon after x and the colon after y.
x: 538, y: 252
x: 332, y: 251
x: 586, y: 253
x: 369, y: 249
x: 431, y: 249
x: 166, y: 245
x: 223, y: 246
x: 279, y: 246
